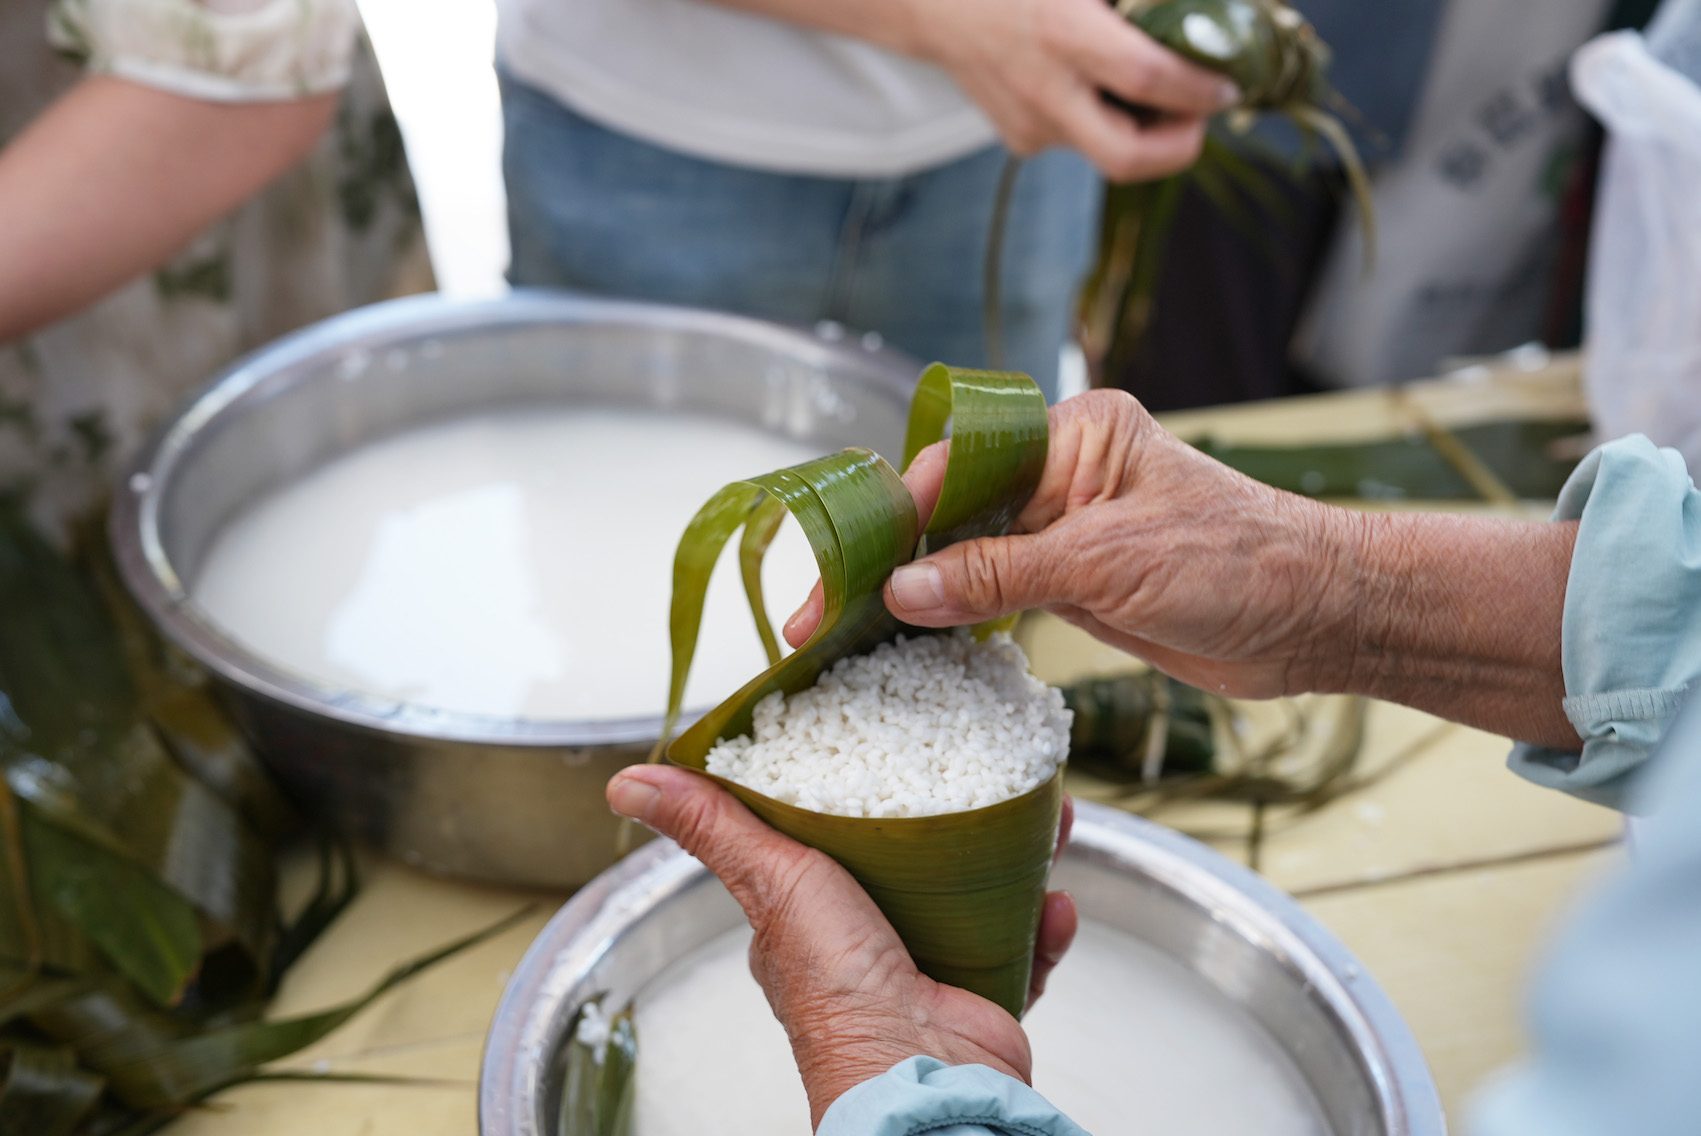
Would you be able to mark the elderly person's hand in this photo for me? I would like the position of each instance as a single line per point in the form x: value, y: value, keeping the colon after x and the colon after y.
x: 835, y: 972
x: 1243, y: 589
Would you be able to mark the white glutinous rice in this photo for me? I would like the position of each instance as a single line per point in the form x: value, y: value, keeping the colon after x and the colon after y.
x: 917, y: 727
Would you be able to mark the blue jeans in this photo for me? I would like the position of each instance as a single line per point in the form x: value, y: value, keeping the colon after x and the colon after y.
x: 598, y: 211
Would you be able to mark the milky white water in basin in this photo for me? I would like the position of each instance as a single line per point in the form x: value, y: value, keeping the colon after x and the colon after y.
x: 1126, y: 1041
x: 516, y: 563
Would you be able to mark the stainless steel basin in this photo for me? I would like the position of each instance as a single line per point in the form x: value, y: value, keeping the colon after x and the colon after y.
x: 1224, y: 923
x: 515, y: 801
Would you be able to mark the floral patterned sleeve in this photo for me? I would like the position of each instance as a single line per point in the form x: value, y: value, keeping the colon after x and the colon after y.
x: 224, y: 50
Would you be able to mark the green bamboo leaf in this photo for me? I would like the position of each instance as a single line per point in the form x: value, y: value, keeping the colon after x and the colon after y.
x: 998, y: 448
x: 43, y: 1093
x: 32, y: 989
x: 146, y: 932
x: 964, y: 890
x: 21, y: 934
x: 1358, y: 178
x: 1280, y: 65
x: 861, y: 522
x: 1236, y: 38
x: 179, y: 704
x: 598, y: 1086
x: 1409, y: 467
x: 76, y: 744
x: 338, y: 883
x: 176, y: 1072
x: 759, y: 531
x: 105, y: 1023
x: 699, y: 549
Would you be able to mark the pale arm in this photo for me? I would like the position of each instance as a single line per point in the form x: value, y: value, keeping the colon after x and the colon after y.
x: 115, y: 177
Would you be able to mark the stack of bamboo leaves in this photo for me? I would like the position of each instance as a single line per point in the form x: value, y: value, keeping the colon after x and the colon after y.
x: 139, y: 933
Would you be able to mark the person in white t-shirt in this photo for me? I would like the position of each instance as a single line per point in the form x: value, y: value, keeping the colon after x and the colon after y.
x: 806, y: 161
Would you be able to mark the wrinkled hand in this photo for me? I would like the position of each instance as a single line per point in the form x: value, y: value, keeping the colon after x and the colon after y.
x: 1154, y: 548
x: 1038, y: 69
x: 834, y: 971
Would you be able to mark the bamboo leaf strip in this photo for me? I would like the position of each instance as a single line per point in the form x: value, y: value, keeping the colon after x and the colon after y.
x: 186, y: 1069
x: 147, y: 932
x: 759, y: 530
x: 43, y: 1093
x: 963, y: 891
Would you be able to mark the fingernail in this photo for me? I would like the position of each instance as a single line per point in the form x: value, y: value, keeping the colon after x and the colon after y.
x: 918, y: 586
x: 1228, y: 96
x: 633, y: 798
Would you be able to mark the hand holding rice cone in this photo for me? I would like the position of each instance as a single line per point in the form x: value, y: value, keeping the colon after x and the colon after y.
x: 964, y: 890
x: 834, y: 971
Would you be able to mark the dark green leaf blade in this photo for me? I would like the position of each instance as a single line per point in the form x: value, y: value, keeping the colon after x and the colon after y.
x: 146, y: 932
x: 43, y: 1092
x: 187, y: 1069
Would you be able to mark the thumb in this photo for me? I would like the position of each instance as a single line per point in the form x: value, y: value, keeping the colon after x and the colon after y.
x: 974, y: 580
x: 755, y: 862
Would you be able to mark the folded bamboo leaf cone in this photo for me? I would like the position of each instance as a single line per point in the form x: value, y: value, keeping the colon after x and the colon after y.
x: 963, y: 890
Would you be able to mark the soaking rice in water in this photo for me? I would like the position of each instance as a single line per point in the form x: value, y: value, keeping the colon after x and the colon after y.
x: 921, y: 726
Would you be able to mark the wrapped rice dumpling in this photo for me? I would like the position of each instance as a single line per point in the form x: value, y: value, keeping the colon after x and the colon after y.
x: 894, y: 713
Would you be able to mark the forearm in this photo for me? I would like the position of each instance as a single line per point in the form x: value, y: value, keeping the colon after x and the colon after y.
x: 898, y: 25
x: 1459, y: 616
x: 115, y: 177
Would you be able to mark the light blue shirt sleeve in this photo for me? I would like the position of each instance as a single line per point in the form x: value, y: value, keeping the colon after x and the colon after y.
x: 1631, y: 644
x: 924, y: 1095
x: 1615, y: 1015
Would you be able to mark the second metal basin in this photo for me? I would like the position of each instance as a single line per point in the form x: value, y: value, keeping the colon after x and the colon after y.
x: 1244, y: 938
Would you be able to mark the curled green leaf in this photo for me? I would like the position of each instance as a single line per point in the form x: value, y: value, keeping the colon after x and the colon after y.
x: 962, y: 890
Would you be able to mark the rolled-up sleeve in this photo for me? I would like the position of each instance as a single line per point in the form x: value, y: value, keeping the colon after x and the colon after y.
x: 222, y: 50
x: 924, y: 1095
x: 1631, y: 644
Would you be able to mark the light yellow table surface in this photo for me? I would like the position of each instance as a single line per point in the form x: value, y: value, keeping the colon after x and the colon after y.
x: 1443, y: 876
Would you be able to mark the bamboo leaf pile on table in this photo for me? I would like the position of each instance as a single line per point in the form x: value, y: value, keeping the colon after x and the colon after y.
x: 140, y: 937
x: 1147, y: 741
x: 1531, y: 459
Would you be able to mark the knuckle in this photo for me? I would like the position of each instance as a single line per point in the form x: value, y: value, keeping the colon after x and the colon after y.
x: 692, y: 825
x: 782, y: 902
x: 1055, y: 28
x: 986, y: 574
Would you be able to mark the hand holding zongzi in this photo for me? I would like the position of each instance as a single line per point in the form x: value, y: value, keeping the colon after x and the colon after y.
x: 834, y: 971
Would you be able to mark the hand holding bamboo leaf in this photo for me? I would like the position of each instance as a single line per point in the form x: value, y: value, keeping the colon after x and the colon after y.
x: 1039, y: 68
x: 1245, y: 590
x: 964, y: 890
x: 835, y: 973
